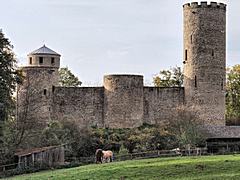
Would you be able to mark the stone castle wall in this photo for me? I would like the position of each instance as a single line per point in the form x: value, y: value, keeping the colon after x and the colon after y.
x: 161, y: 104
x: 83, y: 105
x: 123, y: 102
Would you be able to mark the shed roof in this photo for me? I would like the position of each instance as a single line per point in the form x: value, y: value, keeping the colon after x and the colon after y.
x: 34, y: 150
x: 44, y: 50
x: 223, y: 132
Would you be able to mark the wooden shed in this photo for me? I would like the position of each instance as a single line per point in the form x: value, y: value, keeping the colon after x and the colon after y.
x: 46, y: 156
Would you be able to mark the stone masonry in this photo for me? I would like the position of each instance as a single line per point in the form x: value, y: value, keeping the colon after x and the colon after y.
x: 124, y: 102
x: 205, y: 60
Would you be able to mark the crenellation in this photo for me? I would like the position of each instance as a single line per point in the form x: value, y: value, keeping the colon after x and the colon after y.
x: 186, y: 5
x: 123, y: 101
x: 213, y: 4
x: 222, y: 6
x: 205, y: 4
x: 194, y: 5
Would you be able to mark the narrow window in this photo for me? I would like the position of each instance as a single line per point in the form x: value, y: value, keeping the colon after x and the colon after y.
x: 30, y: 60
x: 53, y: 89
x: 222, y: 84
x: 45, y: 92
x: 195, y: 82
x: 52, y: 60
x: 212, y: 52
x: 191, y: 39
x: 185, y: 55
x: 40, y: 60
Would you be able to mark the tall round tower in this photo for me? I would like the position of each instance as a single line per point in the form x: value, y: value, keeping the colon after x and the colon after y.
x: 123, y: 101
x: 205, y: 60
x: 40, y: 80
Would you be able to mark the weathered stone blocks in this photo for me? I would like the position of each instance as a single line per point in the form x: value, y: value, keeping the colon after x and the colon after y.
x: 205, y: 60
x: 123, y: 101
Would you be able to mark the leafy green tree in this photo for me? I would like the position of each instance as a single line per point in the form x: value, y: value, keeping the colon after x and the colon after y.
x: 8, y: 77
x: 148, y: 138
x: 80, y: 141
x: 68, y: 79
x: 161, y: 139
x: 131, y: 142
x: 169, y: 78
x: 233, y: 95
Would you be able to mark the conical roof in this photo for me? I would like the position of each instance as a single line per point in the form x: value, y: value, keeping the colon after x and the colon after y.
x: 44, y: 50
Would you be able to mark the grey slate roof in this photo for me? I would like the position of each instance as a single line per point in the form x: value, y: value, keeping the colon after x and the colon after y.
x: 44, y: 50
x: 224, y: 131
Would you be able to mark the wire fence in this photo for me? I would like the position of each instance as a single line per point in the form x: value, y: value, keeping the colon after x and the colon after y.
x: 124, y: 157
x: 151, y: 154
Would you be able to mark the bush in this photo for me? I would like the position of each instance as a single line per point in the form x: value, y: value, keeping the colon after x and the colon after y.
x: 122, y: 150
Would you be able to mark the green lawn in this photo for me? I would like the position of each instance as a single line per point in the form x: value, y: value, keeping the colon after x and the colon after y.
x: 205, y: 167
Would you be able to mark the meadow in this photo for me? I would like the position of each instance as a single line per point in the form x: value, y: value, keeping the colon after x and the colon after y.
x: 184, y: 168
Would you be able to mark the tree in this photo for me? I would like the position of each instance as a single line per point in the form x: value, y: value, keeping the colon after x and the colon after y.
x: 20, y: 130
x: 187, y: 129
x: 132, y: 140
x: 8, y: 77
x: 233, y: 95
x: 169, y: 78
x: 68, y: 79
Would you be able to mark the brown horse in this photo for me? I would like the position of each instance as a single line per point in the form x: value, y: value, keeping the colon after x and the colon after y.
x: 107, y: 156
x: 103, y: 156
x: 99, y: 155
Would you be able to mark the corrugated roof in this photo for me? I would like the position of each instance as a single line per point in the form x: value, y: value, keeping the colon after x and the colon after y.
x: 44, y: 50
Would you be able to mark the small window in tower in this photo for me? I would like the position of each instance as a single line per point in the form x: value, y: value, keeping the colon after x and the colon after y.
x: 212, y: 52
x: 195, y: 82
x: 186, y: 55
x: 45, y: 92
x: 222, y: 84
x: 40, y: 60
x: 52, y: 60
x: 30, y: 60
x: 53, y: 89
x: 191, y: 39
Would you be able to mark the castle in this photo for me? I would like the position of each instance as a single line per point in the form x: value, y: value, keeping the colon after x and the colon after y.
x: 123, y: 101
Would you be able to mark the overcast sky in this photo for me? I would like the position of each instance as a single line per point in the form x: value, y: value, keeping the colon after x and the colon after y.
x: 97, y: 37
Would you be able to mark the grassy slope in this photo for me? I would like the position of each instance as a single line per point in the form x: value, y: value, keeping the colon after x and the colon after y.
x: 207, y: 167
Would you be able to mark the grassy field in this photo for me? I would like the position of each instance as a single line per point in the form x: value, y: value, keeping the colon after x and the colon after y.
x: 205, y: 167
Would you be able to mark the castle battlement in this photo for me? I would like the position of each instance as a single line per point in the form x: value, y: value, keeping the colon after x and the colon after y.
x: 123, y: 101
x: 204, y: 4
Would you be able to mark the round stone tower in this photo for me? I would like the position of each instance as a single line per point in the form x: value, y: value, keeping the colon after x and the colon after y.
x: 205, y: 60
x: 40, y: 80
x: 123, y: 101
